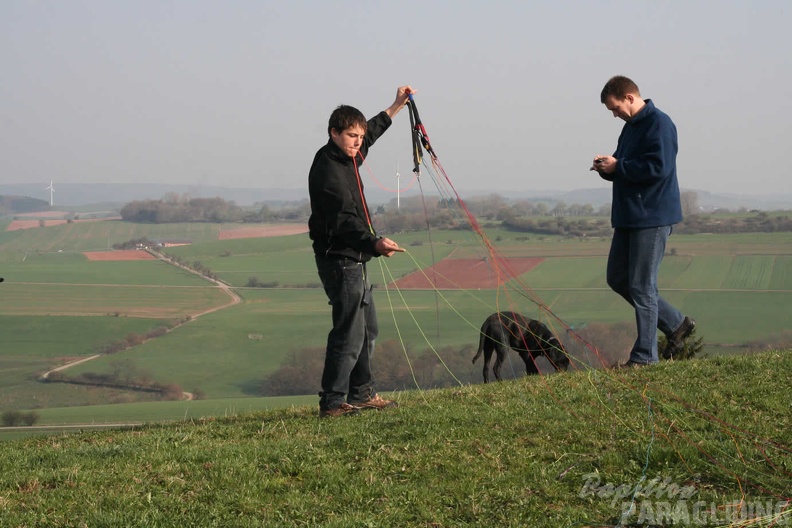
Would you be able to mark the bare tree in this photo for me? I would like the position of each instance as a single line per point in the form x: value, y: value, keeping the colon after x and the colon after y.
x: 689, y: 203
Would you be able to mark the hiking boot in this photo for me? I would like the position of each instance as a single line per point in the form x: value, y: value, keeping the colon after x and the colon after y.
x: 342, y: 410
x: 676, y: 341
x: 632, y: 365
x: 376, y: 402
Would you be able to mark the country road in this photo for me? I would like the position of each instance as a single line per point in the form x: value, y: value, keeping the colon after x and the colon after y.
x: 235, y: 299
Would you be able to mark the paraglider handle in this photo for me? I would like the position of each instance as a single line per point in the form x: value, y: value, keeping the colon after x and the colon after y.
x: 414, y: 109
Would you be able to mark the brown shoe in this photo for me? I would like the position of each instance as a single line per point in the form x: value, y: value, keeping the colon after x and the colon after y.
x: 376, y: 402
x: 632, y: 365
x: 676, y: 341
x: 342, y: 410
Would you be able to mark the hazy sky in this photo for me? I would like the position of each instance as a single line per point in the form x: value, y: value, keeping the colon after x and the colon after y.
x: 237, y: 92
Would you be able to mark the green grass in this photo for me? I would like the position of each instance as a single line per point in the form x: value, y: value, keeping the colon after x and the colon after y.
x: 93, y: 236
x: 287, y: 261
x: 229, y: 353
x: 75, y: 268
x: 58, y: 337
x: 164, y: 411
x: 33, y: 345
x: 583, y: 272
x: 782, y: 274
x: 226, y: 354
x: 200, y: 250
x: 150, y: 301
x: 68, y: 420
x: 751, y: 273
x: 512, y: 454
x: 731, y: 244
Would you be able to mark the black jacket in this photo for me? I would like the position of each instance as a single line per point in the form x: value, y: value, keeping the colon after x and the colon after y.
x: 338, y: 225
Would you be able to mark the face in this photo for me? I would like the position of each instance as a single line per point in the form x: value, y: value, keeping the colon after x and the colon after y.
x: 621, y: 108
x: 349, y: 140
x: 559, y: 356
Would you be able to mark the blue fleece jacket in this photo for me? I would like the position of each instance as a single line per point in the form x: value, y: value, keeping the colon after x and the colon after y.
x: 645, y: 186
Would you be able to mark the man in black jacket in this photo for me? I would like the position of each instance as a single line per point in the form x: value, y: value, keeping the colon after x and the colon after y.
x: 343, y: 241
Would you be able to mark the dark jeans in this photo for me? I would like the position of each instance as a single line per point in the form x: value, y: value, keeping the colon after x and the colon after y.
x: 633, y: 263
x: 350, y: 343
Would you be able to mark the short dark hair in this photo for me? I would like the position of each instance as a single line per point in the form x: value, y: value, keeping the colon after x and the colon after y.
x: 618, y: 87
x: 344, y: 117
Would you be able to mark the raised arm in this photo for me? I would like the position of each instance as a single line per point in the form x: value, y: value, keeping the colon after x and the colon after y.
x: 402, y: 95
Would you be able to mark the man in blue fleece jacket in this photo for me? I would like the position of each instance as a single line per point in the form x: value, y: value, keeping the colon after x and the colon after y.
x: 645, y: 207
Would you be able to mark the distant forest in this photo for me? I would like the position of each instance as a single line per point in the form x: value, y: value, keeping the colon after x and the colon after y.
x: 413, y: 214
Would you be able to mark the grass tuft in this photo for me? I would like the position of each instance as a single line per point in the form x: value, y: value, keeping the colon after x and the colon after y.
x: 536, y: 451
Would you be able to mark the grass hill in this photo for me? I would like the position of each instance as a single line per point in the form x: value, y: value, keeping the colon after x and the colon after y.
x: 703, y: 442
x: 21, y: 204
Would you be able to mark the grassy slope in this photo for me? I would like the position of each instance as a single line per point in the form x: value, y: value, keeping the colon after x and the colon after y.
x: 511, y: 454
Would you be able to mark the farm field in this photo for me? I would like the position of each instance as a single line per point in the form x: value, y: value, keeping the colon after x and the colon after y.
x: 59, y: 306
x: 101, y: 235
x: 76, y: 268
x: 105, y: 299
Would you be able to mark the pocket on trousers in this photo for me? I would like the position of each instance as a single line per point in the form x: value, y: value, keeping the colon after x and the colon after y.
x: 366, y: 296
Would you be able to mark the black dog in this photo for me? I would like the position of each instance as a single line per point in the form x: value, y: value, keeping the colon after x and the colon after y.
x: 527, y: 337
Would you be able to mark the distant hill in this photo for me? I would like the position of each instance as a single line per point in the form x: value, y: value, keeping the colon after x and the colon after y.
x: 78, y: 194
x: 602, y: 195
x: 10, y: 205
x: 118, y: 194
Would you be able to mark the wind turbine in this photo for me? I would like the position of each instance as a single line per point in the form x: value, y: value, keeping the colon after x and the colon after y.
x: 398, y: 181
x: 51, y: 189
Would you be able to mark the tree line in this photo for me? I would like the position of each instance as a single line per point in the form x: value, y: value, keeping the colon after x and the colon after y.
x: 173, y: 208
x: 417, y: 214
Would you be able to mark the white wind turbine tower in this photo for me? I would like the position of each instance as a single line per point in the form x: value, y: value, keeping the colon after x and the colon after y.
x: 398, y: 181
x: 51, y: 189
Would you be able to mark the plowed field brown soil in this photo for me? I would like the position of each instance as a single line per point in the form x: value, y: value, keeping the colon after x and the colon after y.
x: 467, y: 274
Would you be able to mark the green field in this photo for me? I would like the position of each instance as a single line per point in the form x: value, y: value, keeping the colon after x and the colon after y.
x: 92, y: 299
x: 58, y: 305
x: 75, y: 268
x: 96, y: 236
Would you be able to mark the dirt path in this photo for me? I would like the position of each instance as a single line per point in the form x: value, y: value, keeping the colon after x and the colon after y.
x: 67, y: 365
x: 234, y: 298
